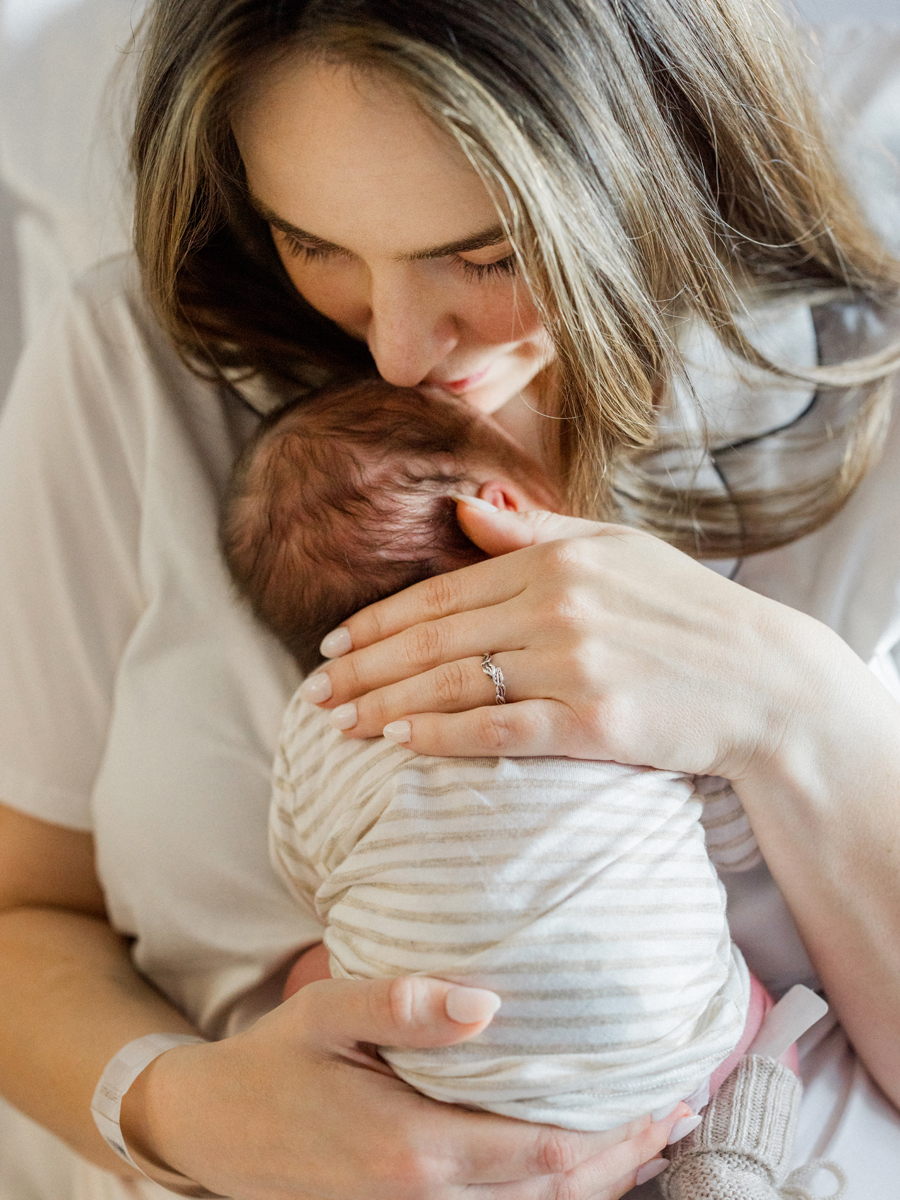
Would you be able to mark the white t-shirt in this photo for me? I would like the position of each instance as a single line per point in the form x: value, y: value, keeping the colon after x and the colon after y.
x: 137, y: 696
x: 139, y: 699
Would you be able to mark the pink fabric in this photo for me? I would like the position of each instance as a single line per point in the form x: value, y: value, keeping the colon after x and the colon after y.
x: 760, y: 1005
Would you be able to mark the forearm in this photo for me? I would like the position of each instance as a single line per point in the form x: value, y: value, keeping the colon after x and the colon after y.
x: 825, y: 807
x: 69, y: 1000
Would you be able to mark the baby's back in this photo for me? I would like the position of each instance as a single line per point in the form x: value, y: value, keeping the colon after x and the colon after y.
x: 580, y: 891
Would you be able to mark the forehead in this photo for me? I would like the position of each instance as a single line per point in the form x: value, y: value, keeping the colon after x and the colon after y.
x: 348, y: 155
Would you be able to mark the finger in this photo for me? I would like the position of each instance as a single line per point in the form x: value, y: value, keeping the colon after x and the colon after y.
x: 427, y: 646
x: 528, y: 728
x: 477, y: 586
x: 621, y: 1163
x: 452, y: 687
x: 503, y: 531
x: 411, y: 1012
x: 595, y: 1166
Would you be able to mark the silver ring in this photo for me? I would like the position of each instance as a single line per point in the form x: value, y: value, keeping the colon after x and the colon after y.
x: 497, y: 676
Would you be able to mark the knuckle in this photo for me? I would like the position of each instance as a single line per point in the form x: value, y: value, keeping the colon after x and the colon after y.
x: 492, y: 729
x: 572, y: 609
x: 566, y: 557
x: 424, y: 644
x: 441, y: 593
x: 450, y: 683
x: 409, y: 1000
x: 378, y: 707
x: 565, y: 1188
x: 346, y: 677
x: 404, y: 1171
x: 401, y: 1001
x: 557, y: 1155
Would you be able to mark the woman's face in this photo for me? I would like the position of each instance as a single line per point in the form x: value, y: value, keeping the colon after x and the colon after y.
x: 384, y: 227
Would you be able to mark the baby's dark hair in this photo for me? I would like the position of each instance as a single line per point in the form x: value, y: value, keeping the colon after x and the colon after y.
x: 343, y: 498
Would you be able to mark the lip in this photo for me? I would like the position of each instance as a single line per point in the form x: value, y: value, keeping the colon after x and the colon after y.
x: 459, y: 386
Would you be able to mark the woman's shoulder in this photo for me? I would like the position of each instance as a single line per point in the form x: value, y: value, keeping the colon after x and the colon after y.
x: 110, y: 291
x: 108, y: 307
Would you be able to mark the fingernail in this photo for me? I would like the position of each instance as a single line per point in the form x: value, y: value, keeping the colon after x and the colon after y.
x: 467, y: 1005
x: 682, y: 1128
x: 336, y: 643
x: 344, y: 716
x: 398, y: 731
x: 474, y: 501
x: 662, y: 1113
x: 650, y: 1170
x: 316, y: 689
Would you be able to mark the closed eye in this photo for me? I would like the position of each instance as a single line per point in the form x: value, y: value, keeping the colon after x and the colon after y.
x: 501, y: 267
x: 312, y: 251
x: 298, y: 249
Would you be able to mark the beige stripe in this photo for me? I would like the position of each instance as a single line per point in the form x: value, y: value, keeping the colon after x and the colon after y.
x: 354, y: 901
x: 411, y: 945
x: 477, y: 886
x: 345, y: 878
x: 383, y: 968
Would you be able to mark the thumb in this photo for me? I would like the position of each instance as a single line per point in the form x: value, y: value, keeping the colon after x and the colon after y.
x: 413, y: 1012
x: 498, y: 531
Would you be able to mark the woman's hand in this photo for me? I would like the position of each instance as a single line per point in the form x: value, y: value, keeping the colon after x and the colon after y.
x: 613, y: 645
x: 299, y: 1108
x: 311, y: 966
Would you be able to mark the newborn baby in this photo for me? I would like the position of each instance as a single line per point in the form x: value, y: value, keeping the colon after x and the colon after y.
x: 581, y: 892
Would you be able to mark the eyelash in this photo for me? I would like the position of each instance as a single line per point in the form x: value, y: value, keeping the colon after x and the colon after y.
x: 299, y: 249
x: 503, y: 266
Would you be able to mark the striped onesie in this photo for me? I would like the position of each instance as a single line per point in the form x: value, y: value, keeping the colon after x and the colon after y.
x: 581, y: 892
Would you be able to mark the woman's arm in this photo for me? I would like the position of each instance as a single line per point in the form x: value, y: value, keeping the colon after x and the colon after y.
x: 69, y: 999
x: 617, y: 646
x: 825, y: 805
x: 246, y: 1116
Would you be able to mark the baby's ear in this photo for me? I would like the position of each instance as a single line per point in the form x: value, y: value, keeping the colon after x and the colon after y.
x: 505, y: 495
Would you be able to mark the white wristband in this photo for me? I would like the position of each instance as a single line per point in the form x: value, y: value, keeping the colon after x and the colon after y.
x: 106, y: 1106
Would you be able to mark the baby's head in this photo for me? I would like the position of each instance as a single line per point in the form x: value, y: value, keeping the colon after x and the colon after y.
x: 344, y: 498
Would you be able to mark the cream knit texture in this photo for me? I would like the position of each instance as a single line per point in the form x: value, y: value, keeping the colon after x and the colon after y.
x: 580, y: 891
x: 742, y: 1148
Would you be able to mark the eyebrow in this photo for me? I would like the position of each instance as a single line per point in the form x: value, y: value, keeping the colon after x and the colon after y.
x: 477, y: 241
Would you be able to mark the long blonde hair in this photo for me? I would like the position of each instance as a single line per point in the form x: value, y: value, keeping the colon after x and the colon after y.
x: 655, y: 161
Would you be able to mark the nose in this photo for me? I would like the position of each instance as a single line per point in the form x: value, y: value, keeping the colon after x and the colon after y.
x: 411, y: 328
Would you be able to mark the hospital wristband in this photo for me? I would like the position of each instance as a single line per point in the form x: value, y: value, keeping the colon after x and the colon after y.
x: 106, y: 1107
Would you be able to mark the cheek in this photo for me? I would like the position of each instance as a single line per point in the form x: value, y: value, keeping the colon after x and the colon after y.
x: 330, y: 287
x: 502, y: 312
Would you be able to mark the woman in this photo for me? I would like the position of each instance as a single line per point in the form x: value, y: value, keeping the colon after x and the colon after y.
x: 541, y: 209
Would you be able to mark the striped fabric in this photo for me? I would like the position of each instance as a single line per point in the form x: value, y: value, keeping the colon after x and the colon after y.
x: 580, y: 891
x: 730, y: 841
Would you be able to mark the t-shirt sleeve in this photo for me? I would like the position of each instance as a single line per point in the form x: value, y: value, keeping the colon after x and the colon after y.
x: 70, y: 468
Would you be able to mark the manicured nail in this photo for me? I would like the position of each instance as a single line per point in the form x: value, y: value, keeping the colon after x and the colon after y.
x: 474, y: 501
x: 336, y: 643
x: 682, y: 1128
x: 650, y: 1170
x: 316, y: 688
x: 467, y: 1005
x: 662, y: 1113
x: 398, y: 731
x: 344, y: 716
